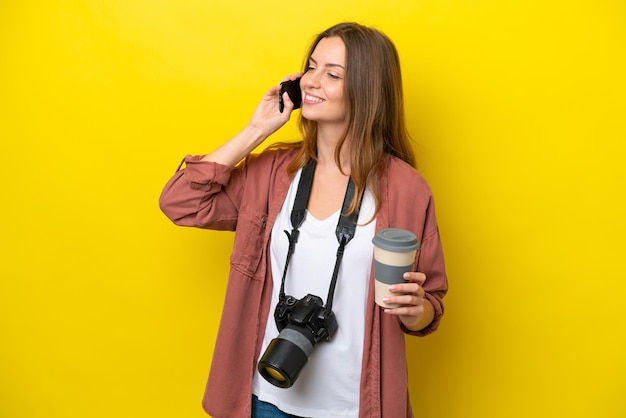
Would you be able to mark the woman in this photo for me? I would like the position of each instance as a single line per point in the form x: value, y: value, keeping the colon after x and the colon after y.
x: 353, y: 127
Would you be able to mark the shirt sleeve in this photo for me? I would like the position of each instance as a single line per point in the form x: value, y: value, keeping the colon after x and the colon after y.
x: 203, y: 194
x: 430, y: 261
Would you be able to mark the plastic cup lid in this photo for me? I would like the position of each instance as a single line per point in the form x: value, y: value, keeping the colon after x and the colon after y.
x: 396, y: 239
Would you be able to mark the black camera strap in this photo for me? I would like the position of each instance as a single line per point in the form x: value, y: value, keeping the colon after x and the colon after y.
x: 346, y: 227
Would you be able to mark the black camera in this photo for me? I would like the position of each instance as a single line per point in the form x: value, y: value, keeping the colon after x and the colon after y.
x: 302, y: 324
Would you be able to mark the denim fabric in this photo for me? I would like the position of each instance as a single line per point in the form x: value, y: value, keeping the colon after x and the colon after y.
x: 262, y: 409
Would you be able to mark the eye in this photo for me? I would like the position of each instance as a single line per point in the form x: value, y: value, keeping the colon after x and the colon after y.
x: 333, y: 76
x: 309, y: 68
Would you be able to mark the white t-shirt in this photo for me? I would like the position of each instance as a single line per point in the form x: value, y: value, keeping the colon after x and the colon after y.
x: 329, y: 384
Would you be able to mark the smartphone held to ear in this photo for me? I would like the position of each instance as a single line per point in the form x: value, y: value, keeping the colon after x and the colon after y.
x: 292, y: 87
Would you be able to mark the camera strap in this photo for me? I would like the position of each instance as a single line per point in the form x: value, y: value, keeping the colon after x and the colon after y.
x: 346, y: 227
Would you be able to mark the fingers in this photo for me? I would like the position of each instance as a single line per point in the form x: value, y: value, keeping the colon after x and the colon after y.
x: 273, y: 93
x: 415, y: 276
x: 414, y: 283
x: 414, y: 289
x: 410, y: 293
x: 287, y: 103
x: 410, y: 299
x: 291, y: 77
x: 268, y: 115
x: 406, y: 299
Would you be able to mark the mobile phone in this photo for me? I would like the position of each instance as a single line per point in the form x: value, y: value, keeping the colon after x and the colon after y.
x: 292, y: 87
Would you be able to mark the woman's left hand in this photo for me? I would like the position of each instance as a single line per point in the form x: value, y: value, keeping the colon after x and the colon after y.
x: 410, y: 296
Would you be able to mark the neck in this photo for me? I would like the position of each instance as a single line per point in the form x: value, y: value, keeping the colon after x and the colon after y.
x: 326, y: 146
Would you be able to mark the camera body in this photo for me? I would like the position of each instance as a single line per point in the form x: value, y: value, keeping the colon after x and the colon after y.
x: 301, y: 323
x: 308, y: 314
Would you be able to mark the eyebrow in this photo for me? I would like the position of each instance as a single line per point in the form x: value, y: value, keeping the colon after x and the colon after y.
x: 327, y: 65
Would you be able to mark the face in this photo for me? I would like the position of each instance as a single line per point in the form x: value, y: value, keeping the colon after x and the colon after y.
x: 323, y: 83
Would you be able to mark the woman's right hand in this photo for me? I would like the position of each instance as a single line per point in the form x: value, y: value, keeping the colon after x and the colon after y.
x: 266, y: 120
x: 267, y: 117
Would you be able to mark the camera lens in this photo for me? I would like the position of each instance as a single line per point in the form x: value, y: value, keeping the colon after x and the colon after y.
x: 286, y: 355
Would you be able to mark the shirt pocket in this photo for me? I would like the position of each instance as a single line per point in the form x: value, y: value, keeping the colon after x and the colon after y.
x: 248, y: 244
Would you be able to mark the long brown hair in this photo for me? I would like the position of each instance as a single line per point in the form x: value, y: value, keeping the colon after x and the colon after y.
x: 375, y: 108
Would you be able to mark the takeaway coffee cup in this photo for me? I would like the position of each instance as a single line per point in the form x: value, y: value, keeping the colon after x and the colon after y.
x: 394, y: 254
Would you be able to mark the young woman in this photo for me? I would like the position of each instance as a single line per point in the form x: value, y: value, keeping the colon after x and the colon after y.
x: 353, y: 128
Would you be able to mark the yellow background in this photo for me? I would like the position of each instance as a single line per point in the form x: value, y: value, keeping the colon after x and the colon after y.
x: 517, y: 109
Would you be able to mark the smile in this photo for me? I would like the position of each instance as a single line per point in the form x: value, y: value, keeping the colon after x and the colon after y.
x: 312, y: 99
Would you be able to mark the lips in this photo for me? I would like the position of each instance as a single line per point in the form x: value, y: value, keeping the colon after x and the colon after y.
x: 309, y: 98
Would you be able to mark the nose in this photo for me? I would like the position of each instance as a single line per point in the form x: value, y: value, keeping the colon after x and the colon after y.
x: 311, y: 79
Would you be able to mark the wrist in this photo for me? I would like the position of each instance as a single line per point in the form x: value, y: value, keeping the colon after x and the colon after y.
x: 254, y: 135
x: 422, y: 321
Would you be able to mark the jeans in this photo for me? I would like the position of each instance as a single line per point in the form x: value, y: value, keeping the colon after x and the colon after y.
x: 262, y: 409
